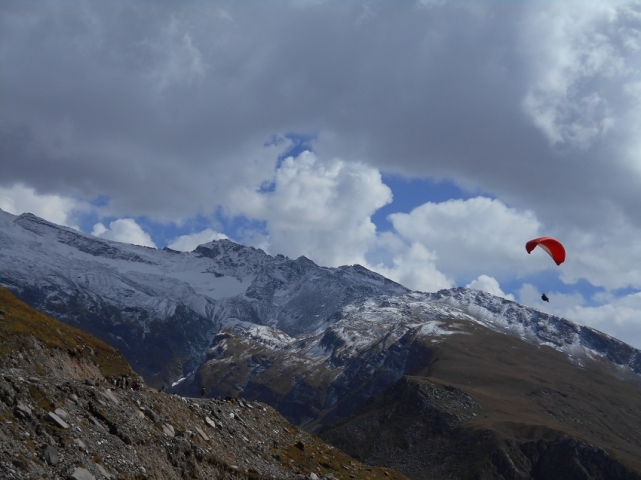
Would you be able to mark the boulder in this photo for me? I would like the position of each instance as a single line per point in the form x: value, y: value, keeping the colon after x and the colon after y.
x: 22, y: 410
x: 81, y: 474
x: 50, y: 455
x: 57, y: 420
x: 168, y: 430
x: 61, y: 413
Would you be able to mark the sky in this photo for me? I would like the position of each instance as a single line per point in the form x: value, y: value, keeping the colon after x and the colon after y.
x: 426, y: 140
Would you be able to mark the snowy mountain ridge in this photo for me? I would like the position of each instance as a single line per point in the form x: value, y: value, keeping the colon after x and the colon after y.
x: 536, y: 327
x: 371, y: 327
x: 162, y: 305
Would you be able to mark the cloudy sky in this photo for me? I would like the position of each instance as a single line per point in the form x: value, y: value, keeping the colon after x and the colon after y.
x: 425, y: 140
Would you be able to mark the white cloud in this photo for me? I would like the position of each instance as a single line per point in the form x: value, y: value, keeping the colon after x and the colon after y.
x: 414, y: 267
x: 581, y: 54
x: 431, y: 3
x: 619, y: 318
x: 471, y: 236
x: 489, y: 285
x: 124, y: 230
x: 320, y: 209
x: 530, y: 295
x: 187, y: 243
x: 537, y: 104
x: 179, y: 60
x: 604, y: 256
x: 61, y: 210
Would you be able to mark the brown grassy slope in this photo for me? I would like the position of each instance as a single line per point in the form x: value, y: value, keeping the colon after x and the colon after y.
x: 522, y: 399
x: 521, y: 387
x: 20, y: 324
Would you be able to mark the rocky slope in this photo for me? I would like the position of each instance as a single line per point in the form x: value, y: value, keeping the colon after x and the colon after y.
x: 61, y: 417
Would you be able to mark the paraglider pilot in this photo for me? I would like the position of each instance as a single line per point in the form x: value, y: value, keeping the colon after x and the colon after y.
x: 553, y: 247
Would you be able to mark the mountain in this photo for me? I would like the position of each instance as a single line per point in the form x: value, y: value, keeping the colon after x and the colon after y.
x: 161, y: 308
x: 63, y: 418
x: 452, y: 384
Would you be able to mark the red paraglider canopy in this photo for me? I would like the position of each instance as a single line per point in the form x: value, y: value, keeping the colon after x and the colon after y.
x: 550, y: 245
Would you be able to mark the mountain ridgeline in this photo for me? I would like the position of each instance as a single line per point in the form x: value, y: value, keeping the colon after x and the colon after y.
x: 453, y: 384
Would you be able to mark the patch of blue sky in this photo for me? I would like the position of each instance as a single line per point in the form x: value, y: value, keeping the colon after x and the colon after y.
x: 411, y: 193
x: 244, y: 230
x: 164, y: 234
x: 238, y: 228
x: 86, y: 219
x: 300, y: 142
x: 101, y: 201
x: 624, y: 292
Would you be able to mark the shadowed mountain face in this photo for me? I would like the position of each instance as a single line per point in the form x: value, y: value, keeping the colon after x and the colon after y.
x: 345, y: 353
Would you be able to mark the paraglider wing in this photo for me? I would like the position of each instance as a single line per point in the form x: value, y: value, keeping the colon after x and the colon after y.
x: 554, y: 248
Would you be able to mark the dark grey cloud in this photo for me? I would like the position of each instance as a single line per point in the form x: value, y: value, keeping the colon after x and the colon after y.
x: 163, y: 105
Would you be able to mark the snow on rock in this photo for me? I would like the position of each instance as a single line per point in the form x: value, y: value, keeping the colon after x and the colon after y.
x: 536, y: 327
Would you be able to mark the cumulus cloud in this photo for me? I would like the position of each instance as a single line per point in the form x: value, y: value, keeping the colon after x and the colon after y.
x: 180, y: 61
x: 124, y: 230
x: 187, y: 243
x: 414, y: 266
x: 189, y: 93
x: 320, y: 209
x: 489, y: 285
x: 575, y: 49
x: 471, y: 236
x: 604, y: 257
x: 619, y: 317
x: 167, y: 111
x: 58, y: 209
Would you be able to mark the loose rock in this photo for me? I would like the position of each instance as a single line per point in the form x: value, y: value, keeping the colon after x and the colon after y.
x: 57, y: 420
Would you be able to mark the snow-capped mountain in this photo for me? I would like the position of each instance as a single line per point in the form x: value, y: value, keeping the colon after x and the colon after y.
x: 328, y: 345
x: 163, y: 307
